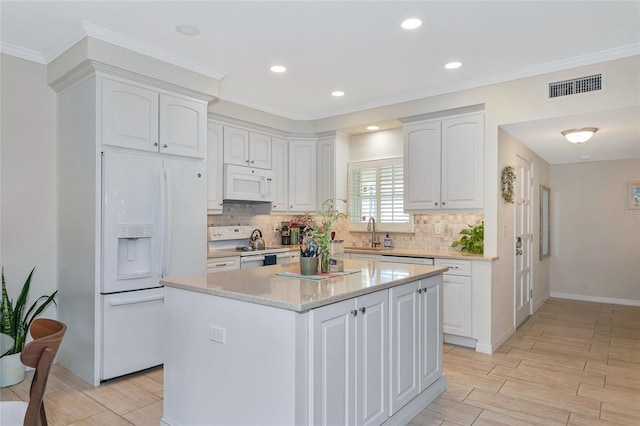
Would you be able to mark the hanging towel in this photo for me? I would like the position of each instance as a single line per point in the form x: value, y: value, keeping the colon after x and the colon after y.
x: 270, y: 259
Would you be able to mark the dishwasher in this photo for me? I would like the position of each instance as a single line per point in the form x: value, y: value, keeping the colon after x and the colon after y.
x: 407, y: 259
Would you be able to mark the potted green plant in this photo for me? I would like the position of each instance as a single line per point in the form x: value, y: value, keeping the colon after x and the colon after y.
x: 15, y: 320
x: 472, y: 240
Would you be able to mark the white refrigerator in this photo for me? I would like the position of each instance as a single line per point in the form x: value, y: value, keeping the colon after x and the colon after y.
x: 153, y: 226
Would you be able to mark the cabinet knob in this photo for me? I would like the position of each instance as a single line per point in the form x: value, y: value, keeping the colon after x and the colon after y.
x: 290, y: 207
x: 443, y: 203
x: 419, y: 290
x: 363, y: 310
x: 155, y: 144
x: 164, y: 146
x: 354, y: 312
x: 436, y: 204
x: 252, y: 161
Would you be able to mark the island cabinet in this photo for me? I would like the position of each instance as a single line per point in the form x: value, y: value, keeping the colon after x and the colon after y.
x: 245, y: 347
x: 349, y: 361
x: 416, y: 339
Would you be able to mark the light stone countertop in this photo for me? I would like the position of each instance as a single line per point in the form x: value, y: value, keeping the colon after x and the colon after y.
x: 438, y: 254
x: 262, y: 286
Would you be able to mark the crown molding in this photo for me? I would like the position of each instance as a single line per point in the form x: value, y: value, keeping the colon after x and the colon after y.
x: 22, y: 53
x: 134, y: 45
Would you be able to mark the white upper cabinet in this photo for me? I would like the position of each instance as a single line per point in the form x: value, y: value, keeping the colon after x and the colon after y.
x: 214, y: 168
x: 245, y: 148
x: 444, y: 164
x: 140, y: 118
x: 279, y: 161
x: 333, y: 155
x: 302, y: 176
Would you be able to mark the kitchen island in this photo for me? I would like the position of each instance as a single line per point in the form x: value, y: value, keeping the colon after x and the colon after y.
x: 252, y: 347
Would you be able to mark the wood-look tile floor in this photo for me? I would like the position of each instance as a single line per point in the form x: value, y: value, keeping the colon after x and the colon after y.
x: 572, y: 363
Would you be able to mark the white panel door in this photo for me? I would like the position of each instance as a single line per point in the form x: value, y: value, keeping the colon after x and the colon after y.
x: 326, y: 181
x: 185, y: 216
x: 129, y: 116
x: 403, y: 335
x: 333, y: 364
x: 462, y: 162
x: 302, y: 176
x: 183, y: 126
x: 456, y: 305
x: 260, y: 150
x: 280, y: 167
x: 372, y: 363
x: 430, y: 333
x: 214, y: 168
x: 523, y: 243
x: 422, y: 166
x: 236, y: 146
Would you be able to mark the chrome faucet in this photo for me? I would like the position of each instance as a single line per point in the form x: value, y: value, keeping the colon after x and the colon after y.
x: 374, y: 238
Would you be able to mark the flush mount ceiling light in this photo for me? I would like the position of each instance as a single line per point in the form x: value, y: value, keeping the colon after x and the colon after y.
x: 453, y: 65
x: 188, y: 30
x: 278, y: 68
x: 411, y: 23
x: 579, y: 135
x: 372, y: 127
x: 337, y: 93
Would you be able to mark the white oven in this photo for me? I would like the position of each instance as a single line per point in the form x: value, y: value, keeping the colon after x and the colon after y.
x: 234, y: 241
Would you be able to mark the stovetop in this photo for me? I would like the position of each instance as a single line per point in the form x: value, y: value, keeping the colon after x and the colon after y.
x: 236, y: 238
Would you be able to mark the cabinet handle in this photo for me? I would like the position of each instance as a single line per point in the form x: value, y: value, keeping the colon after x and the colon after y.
x: 419, y: 290
x: 363, y: 310
x: 290, y: 207
x: 436, y: 204
x: 219, y: 265
x: 155, y: 144
x: 354, y: 312
x: 274, y: 206
x: 247, y: 161
x: 443, y: 203
x: 164, y: 146
x: 252, y: 161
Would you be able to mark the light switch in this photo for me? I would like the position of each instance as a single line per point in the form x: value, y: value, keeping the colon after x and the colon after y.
x: 438, y: 228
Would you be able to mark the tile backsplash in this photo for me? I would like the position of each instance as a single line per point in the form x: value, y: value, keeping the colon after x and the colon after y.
x: 424, y: 236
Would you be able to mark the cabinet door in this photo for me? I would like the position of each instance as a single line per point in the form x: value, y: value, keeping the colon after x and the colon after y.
x: 372, y: 364
x: 326, y: 181
x: 236, y: 146
x: 430, y: 333
x: 214, y: 168
x: 456, y: 305
x: 183, y: 126
x: 129, y: 116
x: 403, y: 335
x: 332, y: 364
x: 280, y: 155
x: 462, y: 162
x: 422, y: 166
x: 259, y: 150
x: 302, y: 176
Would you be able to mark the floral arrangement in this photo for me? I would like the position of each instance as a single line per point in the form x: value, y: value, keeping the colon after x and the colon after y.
x: 318, y: 234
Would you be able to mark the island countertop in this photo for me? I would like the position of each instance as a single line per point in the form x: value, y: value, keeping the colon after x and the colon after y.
x: 262, y: 285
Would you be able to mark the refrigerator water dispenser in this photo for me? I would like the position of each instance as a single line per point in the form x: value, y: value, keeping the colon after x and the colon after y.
x: 134, y: 251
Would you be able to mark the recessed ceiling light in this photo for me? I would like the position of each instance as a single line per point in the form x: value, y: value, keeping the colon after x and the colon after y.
x: 372, y: 127
x: 453, y: 65
x: 411, y: 23
x: 337, y: 93
x: 278, y: 68
x: 188, y: 30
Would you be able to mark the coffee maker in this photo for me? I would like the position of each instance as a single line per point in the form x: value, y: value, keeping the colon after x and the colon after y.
x: 285, y: 233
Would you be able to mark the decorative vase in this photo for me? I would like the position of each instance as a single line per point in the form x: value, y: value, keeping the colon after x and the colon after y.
x: 308, y: 265
x: 12, y: 370
x: 324, y: 262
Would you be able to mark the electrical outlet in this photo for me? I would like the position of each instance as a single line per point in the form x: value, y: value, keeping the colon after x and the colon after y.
x: 438, y: 228
x: 217, y: 334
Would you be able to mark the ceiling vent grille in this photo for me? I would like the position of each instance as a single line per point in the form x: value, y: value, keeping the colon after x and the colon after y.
x: 574, y: 86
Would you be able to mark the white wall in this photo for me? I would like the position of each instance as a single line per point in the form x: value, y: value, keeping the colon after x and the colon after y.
x: 595, y: 252
x: 28, y: 156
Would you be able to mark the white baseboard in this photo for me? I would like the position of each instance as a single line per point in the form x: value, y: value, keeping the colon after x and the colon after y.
x: 596, y: 299
x: 460, y: 341
x: 495, y: 345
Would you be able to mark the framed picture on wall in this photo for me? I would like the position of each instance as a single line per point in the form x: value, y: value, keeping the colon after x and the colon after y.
x: 634, y: 194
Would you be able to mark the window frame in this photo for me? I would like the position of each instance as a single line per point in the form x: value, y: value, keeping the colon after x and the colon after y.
x: 380, y: 227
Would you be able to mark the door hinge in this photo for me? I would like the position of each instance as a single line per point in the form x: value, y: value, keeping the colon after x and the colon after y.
x: 530, y: 293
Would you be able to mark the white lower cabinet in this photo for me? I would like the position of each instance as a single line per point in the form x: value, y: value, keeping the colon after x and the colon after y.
x: 349, y: 364
x: 415, y: 338
x: 456, y: 303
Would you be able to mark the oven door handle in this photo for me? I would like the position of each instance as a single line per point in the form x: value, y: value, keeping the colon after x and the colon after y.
x: 252, y: 258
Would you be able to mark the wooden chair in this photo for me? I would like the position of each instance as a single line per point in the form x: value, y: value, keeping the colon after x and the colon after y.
x: 47, y: 335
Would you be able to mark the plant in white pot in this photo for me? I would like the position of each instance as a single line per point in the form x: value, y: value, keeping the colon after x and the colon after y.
x: 15, y: 321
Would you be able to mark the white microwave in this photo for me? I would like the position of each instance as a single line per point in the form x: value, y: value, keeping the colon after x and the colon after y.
x: 243, y: 183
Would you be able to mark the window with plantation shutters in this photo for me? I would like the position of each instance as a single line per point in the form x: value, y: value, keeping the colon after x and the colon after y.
x: 376, y: 189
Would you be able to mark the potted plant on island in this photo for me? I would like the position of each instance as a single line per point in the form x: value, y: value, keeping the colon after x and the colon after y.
x: 15, y: 321
x: 320, y: 231
x: 472, y: 240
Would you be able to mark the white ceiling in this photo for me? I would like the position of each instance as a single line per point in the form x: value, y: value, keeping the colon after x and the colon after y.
x: 354, y: 46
